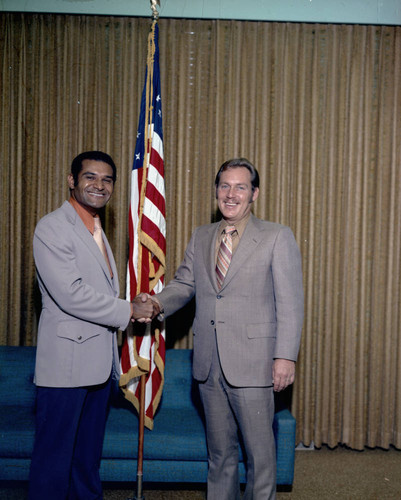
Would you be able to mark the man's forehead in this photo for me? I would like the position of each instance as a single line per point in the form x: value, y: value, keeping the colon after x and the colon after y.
x: 237, y: 175
x: 96, y: 167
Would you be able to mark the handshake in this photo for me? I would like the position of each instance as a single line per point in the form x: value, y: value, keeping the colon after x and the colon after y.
x: 145, y: 308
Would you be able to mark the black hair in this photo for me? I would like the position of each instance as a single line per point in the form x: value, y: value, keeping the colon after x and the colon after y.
x: 76, y: 165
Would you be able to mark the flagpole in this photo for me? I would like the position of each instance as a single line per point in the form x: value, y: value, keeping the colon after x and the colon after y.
x: 141, y: 429
x: 139, y: 472
x: 155, y: 13
x: 142, y: 381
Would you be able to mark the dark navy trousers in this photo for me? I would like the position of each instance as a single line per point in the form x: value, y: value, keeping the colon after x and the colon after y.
x: 70, y: 426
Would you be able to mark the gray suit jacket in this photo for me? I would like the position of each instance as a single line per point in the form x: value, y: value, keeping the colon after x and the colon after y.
x: 81, y: 310
x: 257, y: 315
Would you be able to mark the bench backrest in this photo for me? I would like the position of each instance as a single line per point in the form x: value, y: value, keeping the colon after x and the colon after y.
x: 17, y: 366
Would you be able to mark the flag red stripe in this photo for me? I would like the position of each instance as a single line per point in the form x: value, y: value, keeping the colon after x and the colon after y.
x: 157, y: 198
x: 157, y: 161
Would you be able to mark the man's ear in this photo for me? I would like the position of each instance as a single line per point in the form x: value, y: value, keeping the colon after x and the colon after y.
x: 71, y: 183
x: 255, y: 194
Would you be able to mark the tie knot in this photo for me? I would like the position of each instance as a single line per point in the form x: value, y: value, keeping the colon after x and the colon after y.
x: 230, y: 230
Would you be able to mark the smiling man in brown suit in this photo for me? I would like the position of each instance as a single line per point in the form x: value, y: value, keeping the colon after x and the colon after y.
x: 247, y: 328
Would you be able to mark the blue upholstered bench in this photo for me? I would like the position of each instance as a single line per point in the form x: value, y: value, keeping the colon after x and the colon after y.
x: 175, y: 451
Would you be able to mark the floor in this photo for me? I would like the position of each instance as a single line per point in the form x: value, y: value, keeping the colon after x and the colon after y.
x: 320, y: 474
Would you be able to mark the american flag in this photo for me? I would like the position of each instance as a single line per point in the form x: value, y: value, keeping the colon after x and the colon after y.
x: 144, y: 353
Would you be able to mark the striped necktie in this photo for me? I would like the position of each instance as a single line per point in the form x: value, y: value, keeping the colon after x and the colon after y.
x: 224, y: 255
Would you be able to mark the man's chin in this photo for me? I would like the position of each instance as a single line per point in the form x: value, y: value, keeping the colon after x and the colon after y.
x: 97, y: 203
x: 230, y: 214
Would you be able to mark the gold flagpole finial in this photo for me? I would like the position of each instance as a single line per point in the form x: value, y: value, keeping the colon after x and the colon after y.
x: 155, y: 12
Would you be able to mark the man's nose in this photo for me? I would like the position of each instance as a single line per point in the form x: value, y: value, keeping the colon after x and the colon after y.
x: 99, y: 184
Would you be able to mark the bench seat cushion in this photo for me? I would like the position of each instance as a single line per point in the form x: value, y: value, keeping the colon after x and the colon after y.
x: 177, y: 435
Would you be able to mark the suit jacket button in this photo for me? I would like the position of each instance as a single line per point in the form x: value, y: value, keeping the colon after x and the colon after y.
x: 79, y: 337
x: 212, y: 322
x: 219, y: 296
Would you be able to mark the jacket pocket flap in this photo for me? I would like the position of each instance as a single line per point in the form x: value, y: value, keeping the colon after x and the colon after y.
x: 74, y: 330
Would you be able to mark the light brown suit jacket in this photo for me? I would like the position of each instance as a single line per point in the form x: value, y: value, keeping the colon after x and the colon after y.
x: 257, y: 315
x: 81, y: 310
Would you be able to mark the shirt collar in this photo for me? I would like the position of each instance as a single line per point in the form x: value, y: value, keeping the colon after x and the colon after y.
x: 239, y: 226
x: 86, y: 217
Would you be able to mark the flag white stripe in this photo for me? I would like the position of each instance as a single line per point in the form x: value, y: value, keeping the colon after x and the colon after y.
x: 153, y: 213
x: 157, y: 144
x: 156, y: 179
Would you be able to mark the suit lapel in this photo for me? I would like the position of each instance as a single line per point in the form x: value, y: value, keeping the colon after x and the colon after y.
x: 83, y: 233
x: 208, y: 248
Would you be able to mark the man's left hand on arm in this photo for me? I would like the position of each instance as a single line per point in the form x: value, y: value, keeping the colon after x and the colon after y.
x: 283, y: 374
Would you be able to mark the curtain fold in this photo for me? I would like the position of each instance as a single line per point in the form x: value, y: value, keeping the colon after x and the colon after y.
x: 316, y: 107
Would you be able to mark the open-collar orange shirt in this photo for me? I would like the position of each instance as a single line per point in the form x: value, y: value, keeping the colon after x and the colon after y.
x: 87, y: 218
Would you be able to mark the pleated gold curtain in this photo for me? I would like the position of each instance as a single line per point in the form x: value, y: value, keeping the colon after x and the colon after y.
x: 317, y: 108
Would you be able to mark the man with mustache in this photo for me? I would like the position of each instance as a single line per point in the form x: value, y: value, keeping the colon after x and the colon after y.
x: 245, y: 274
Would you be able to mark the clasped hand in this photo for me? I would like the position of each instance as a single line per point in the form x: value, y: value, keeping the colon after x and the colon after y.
x: 144, y: 309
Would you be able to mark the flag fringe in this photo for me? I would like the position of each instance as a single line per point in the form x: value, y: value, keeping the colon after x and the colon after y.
x: 143, y: 368
x: 149, y: 243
